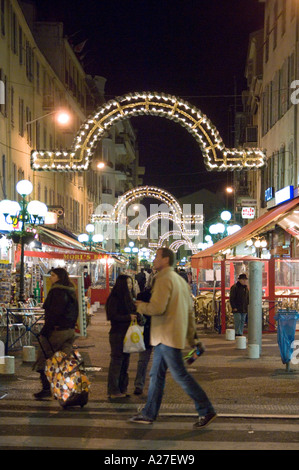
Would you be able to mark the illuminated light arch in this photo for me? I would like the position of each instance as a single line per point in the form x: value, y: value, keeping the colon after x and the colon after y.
x: 177, y: 243
x: 216, y: 156
x: 141, y: 192
x: 161, y: 216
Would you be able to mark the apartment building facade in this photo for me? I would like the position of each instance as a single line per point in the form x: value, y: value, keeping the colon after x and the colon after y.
x: 41, y: 75
x: 270, y: 113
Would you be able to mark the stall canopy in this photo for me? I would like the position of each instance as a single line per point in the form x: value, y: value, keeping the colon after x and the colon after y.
x: 277, y: 215
x: 59, y: 239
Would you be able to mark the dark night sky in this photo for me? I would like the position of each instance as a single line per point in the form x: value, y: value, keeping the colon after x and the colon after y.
x: 194, y: 49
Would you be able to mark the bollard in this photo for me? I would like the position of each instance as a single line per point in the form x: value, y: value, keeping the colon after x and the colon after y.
x: 7, y: 365
x: 28, y: 354
x: 253, y: 351
x: 241, y: 342
x: 230, y: 334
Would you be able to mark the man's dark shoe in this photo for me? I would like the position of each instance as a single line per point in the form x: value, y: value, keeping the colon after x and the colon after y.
x: 138, y: 391
x: 140, y: 419
x: 42, y: 394
x: 204, y: 421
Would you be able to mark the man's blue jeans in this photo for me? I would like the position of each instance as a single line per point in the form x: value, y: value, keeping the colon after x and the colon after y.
x: 166, y: 357
x: 239, y: 319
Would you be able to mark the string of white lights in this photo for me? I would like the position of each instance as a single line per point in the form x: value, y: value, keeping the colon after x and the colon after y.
x: 216, y: 155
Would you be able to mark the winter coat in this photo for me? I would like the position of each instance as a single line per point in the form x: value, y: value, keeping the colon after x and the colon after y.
x: 171, y: 311
x: 61, y: 309
x: 119, y: 314
x: 239, y: 298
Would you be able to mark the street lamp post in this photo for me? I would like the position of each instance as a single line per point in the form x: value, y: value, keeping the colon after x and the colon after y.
x: 131, y: 249
x: 222, y: 229
x: 26, y: 214
x: 90, y: 240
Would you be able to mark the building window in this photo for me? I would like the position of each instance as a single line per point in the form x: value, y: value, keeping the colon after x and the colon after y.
x: 14, y: 33
x: 15, y: 180
x: 283, y: 17
x: 29, y: 126
x: 45, y: 137
x: 12, y: 106
x: 3, y: 107
x: 21, y: 117
x: 29, y: 62
x: 293, y: 8
x: 21, y: 52
x: 275, y: 25
x: 282, y: 167
x: 292, y: 166
x: 2, y: 17
x: 37, y: 135
x: 37, y: 77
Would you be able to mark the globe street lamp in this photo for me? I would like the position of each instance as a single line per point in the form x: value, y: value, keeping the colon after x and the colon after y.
x: 132, y: 250
x: 259, y: 244
x: 90, y: 240
x: 21, y: 216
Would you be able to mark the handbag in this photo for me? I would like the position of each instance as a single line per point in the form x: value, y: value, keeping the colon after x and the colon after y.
x: 134, y: 341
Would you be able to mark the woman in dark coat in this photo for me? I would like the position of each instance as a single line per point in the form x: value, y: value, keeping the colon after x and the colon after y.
x: 120, y: 310
x: 58, y: 332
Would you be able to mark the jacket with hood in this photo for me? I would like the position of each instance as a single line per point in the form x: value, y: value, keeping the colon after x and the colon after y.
x: 61, y: 308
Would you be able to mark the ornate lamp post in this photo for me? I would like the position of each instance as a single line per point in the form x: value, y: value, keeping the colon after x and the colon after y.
x: 132, y: 249
x: 23, y: 215
x: 90, y: 240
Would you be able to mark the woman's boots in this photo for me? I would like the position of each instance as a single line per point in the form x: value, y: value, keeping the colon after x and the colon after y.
x: 46, y: 390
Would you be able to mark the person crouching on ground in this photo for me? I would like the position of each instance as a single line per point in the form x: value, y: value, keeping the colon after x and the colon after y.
x: 58, y: 332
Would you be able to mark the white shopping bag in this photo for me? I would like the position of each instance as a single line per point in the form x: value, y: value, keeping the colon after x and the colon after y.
x: 134, y: 341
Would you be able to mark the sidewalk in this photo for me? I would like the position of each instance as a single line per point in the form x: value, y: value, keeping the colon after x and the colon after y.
x: 234, y: 383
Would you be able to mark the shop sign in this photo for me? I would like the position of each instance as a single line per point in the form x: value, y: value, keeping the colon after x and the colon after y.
x: 58, y: 210
x: 269, y: 194
x: 284, y: 194
x: 65, y: 256
x: 248, y: 212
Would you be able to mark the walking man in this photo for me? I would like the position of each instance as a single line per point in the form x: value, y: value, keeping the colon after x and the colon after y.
x: 239, y: 301
x: 172, y: 321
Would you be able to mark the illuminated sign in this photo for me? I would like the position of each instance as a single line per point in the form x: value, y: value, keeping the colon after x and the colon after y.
x: 284, y: 194
x: 269, y: 194
x: 248, y: 212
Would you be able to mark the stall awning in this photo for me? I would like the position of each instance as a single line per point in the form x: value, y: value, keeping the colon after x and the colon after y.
x: 204, y: 259
x: 58, y: 239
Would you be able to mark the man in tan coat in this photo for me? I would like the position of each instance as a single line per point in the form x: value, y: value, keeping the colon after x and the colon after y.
x: 172, y: 322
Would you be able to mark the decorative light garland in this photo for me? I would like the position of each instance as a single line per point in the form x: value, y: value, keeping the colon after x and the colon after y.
x: 216, y: 156
x: 177, y: 243
x: 136, y: 194
x: 176, y: 215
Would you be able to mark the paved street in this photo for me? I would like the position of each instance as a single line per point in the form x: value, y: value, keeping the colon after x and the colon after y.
x: 256, y: 399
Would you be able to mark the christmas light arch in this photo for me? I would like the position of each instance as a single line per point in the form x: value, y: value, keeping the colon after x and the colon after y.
x: 175, y: 213
x: 161, y: 216
x: 176, y: 243
x: 136, y: 194
x: 216, y: 156
x: 140, y: 192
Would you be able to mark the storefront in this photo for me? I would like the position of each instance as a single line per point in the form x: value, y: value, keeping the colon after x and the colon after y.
x: 216, y: 271
x: 56, y: 249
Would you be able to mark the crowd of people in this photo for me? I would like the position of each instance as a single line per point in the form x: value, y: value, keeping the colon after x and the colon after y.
x: 161, y: 302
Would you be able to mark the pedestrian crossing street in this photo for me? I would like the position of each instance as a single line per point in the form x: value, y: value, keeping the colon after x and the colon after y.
x: 27, y: 424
